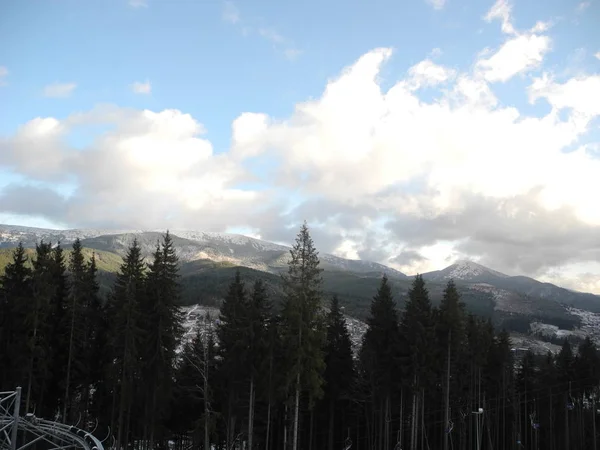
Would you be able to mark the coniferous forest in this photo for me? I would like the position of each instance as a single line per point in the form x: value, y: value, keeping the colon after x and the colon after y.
x: 278, y: 373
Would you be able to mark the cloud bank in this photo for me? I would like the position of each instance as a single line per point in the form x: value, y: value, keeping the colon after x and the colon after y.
x: 380, y: 174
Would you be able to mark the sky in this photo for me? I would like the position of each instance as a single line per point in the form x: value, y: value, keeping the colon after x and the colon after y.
x: 411, y: 133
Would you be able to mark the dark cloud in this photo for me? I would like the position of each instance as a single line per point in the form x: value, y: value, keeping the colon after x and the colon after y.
x: 33, y: 201
x: 407, y: 257
x: 515, y: 235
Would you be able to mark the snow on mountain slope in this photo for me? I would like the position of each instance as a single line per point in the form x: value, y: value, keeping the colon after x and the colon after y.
x: 191, y: 245
x: 464, y: 270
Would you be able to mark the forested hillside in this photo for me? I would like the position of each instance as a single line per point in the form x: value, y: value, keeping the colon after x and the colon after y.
x: 276, y: 369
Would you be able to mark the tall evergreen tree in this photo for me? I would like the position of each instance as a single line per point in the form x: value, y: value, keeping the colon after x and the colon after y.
x: 126, y: 337
x: 380, y: 358
x: 259, y: 318
x: 232, y: 334
x: 339, y: 371
x: 163, y: 330
x: 303, y: 325
x: 75, y: 310
x: 15, y: 301
x: 39, y: 329
x: 417, y: 331
x: 587, y: 367
x: 450, y: 332
x: 59, y: 336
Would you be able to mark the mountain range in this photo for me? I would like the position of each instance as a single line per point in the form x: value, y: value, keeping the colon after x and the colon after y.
x: 209, y: 260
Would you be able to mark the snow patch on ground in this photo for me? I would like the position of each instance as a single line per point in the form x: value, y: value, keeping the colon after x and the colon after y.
x: 590, y: 323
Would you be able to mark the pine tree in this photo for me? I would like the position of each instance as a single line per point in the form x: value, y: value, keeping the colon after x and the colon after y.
x: 339, y: 370
x: 380, y: 356
x: 96, y: 364
x: 15, y: 301
x: 302, y: 324
x: 417, y: 331
x: 162, y: 332
x: 74, y: 312
x: 59, y: 336
x: 232, y: 334
x: 525, y: 383
x: 126, y: 335
x: 38, y: 328
x: 258, y: 348
x: 451, y: 339
x: 565, y: 365
x: 587, y: 367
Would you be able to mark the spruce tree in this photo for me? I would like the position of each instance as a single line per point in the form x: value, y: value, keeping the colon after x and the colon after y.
x: 339, y: 371
x: 380, y: 356
x: 75, y: 310
x: 126, y: 336
x: 302, y: 325
x: 232, y: 334
x: 417, y: 329
x: 39, y: 329
x: 450, y: 330
x: 162, y: 329
x: 15, y: 302
x: 59, y: 335
x: 258, y: 350
x: 587, y: 367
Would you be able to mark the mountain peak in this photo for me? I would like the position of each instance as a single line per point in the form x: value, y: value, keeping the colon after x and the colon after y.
x: 465, y: 269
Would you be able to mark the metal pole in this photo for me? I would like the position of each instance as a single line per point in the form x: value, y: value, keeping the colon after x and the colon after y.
x: 15, y: 427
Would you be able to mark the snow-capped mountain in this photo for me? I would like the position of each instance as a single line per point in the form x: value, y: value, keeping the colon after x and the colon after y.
x: 464, y: 270
x: 209, y: 261
x: 229, y: 248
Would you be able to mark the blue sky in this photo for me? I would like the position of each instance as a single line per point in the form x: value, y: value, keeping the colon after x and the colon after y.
x: 369, y: 119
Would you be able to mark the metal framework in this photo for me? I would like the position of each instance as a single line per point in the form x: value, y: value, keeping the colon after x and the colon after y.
x: 19, y: 433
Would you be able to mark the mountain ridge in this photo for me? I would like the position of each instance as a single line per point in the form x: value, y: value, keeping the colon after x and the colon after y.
x: 510, y: 293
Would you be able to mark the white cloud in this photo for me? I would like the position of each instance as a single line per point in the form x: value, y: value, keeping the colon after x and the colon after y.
x: 231, y: 13
x: 597, y: 55
x: 581, y: 7
x: 292, y: 53
x: 427, y: 73
x: 148, y: 155
x: 271, y: 35
x: 138, y: 3
x: 59, y: 90
x: 282, y: 44
x: 141, y: 87
x: 356, y: 144
x: 501, y: 10
x: 437, y: 4
x: 435, y: 53
x: 385, y: 173
x: 3, y: 75
x: 581, y: 94
x: 517, y: 55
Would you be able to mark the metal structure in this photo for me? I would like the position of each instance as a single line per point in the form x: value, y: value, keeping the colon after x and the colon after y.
x: 20, y: 433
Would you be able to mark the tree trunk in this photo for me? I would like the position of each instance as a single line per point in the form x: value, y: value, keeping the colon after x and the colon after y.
x: 251, y: 413
x: 70, y: 358
x: 386, y: 437
x: 310, y: 432
x: 285, y: 428
x: 331, y: 424
x: 206, y: 409
x: 296, y: 413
